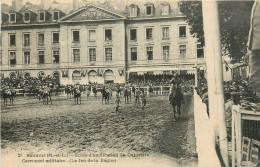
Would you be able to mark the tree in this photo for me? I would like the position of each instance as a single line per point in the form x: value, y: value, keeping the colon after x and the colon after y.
x: 234, y: 20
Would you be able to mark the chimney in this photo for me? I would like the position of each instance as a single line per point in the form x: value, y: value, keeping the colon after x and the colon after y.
x: 75, y: 5
x: 46, y: 4
x: 17, y: 5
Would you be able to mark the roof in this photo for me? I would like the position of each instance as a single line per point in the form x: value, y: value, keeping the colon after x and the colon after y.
x: 121, y: 9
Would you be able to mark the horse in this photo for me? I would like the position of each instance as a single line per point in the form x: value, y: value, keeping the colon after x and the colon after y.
x: 105, y: 95
x: 176, y: 97
x: 46, y: 95
x: 77, y: 95
x: 8, y: 94
x: 69, y: 91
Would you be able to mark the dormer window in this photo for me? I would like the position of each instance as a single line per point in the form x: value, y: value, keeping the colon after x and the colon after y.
x: 12, y: 17
x: 165, y: 9
x: 26, y: 17
x: 42, y: 16
x: 148, y: 10
x: 133, y: 11
x: 56, y: 15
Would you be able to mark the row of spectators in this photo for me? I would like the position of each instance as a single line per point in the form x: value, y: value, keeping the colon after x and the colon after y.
x: 30, y: 84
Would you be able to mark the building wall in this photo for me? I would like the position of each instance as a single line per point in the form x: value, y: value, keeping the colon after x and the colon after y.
x: 33, y: 48
x: 158, y: 42
x: 121, y: 44
x: 66, y: 47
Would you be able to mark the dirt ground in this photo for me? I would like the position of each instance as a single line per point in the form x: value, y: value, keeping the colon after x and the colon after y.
x: 135, y: 137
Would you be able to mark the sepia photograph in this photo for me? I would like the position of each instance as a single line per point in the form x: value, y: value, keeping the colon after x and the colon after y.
x: 130, y: 83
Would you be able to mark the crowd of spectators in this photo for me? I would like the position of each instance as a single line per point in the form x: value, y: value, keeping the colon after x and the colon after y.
x: 30, y: 84
x: 155, y: 80
x: 236, y: 92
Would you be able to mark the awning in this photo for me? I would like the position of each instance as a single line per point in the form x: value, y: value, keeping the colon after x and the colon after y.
x: 143, y: 69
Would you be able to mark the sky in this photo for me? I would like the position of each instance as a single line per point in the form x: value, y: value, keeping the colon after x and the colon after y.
x: 9, y: 2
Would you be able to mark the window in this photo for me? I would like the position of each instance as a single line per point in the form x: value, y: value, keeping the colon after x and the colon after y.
x: 165, y: 10
x: 149, y: 33
x: 26, y: 39
x: 92, y: 35
x: 108, y: 52
x: 133, y: 11
x: 92, y: 54
x: 134, y: 53
x: 12, y: 39
x: 76, y: 55
x: 12, y: 58
x: 41, y: 39
x: 166, y: 51
x: 165, y: 33
x: 55, y: 15
x: 26, y: 16
x: 56, y: 56
x: 200, y: 51
x: 182, y: 31
x: 12, y: 17
x: 75, y: 36
x: 27, y: 58
x: 182, y: 51
x: 148, y: 10
x: 108, y: 34
x: 149, y: 52
x: 133, y: 34
x: 42, y: 16
x: 41, y: 57
x: 56, y: 37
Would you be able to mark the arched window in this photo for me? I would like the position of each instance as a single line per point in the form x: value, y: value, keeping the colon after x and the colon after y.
x: 92, y: 76
x: 27, y: 75
x: 12, y: 75
x: 109, y: 76
x: 41, y: 74
x: 76, y: 75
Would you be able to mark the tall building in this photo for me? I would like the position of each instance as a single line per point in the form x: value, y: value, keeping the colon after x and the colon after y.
x: 96, y: 42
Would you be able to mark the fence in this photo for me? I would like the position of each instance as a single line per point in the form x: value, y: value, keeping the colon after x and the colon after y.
x: 205, y: 135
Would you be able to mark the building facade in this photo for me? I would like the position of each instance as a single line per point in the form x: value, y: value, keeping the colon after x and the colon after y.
x: 97, y: 42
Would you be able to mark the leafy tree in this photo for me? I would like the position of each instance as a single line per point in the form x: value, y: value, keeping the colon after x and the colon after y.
x: 234, y: 20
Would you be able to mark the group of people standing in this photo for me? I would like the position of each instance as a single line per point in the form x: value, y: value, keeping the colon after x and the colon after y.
x: 128, y: 91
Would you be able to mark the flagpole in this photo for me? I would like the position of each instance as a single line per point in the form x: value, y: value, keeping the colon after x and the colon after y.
x: 215, y: 74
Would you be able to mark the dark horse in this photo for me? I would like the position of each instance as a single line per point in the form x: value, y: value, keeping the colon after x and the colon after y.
x: 69, y: 91
x: 8, y: 94
x: 77, y: 95
x: 105, y: 95
x: 176, y: 97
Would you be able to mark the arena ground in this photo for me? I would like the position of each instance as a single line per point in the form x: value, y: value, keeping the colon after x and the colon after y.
x: 135, y: 137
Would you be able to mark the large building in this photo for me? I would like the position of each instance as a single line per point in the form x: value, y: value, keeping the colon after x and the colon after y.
x: 86, y: 42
